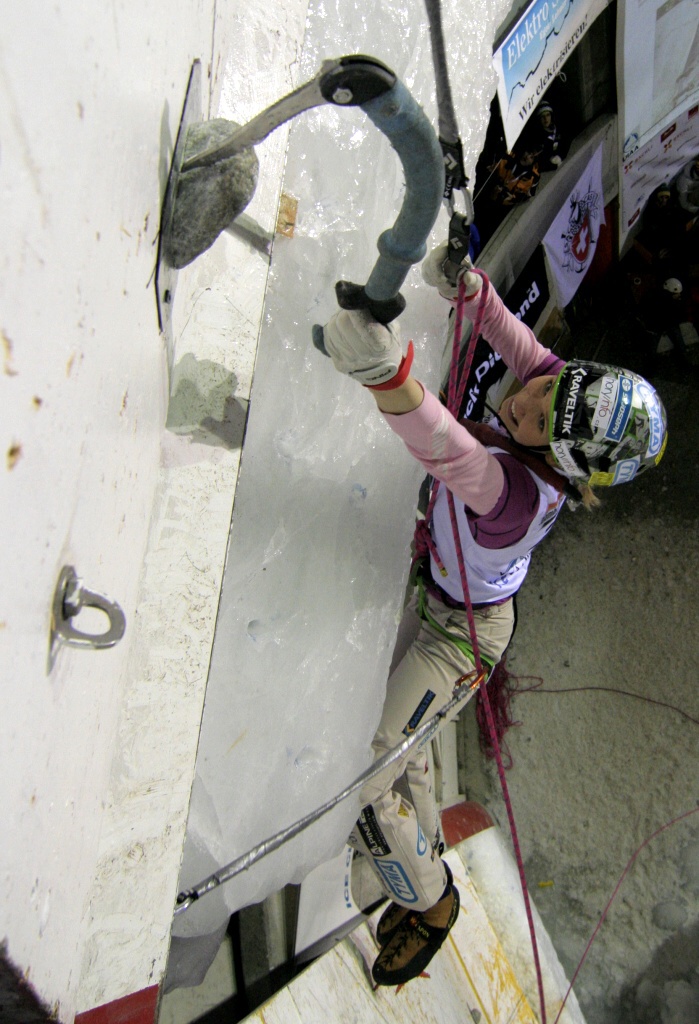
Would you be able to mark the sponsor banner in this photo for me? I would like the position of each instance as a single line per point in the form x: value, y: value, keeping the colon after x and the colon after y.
x: 533, y: 53
x: 526, y: 299
x: 657, y: 162
x: 529, y: 294
x: 571, y: 240
x: 486, y: 374
x: 658, y: 67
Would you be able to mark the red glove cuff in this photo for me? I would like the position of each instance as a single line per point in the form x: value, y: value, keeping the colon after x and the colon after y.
x: 402, y: 375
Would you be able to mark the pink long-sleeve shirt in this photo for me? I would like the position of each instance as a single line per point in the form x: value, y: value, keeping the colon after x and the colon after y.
x: 500, y: 494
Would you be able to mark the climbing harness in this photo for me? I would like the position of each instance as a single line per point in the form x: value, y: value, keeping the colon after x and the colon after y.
x: 418, y: 577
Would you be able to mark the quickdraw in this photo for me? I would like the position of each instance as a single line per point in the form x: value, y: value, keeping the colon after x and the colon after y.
x: 455, y: 178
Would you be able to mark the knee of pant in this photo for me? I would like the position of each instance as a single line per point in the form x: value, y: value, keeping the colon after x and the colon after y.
x: 371, y: 793
x: 374, y: 789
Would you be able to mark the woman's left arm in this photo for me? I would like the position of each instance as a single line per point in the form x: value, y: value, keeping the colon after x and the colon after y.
x: 510, y: 338
x: 504, y: 332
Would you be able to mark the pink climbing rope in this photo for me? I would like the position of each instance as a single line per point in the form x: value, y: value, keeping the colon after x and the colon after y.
x: 455, y: 394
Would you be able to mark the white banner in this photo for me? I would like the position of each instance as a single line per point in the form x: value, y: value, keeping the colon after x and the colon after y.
x: 534, y: 52
x: 659, y: 70
x: 656, y: 163
x: 571, y: 240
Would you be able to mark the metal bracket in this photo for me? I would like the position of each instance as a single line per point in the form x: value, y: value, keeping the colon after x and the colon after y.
x: 70, y: 596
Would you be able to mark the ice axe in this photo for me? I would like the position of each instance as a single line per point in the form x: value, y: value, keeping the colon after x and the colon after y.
x: 217, y: 176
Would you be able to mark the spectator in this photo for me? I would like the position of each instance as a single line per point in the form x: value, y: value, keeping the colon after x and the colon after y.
x: 548, y: 138
x: 516, y: 177
x: 512, y: 181
x: 687, y: 186
x: 662, y: 239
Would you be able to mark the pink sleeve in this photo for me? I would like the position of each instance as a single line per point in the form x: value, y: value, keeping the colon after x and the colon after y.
x: 449, y: 453
x: 512, y: 339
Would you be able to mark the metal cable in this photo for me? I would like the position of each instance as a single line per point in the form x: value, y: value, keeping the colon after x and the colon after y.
x: 235, y: 867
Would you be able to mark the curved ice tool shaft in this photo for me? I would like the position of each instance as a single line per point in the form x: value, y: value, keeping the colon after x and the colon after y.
x: 400, y: 118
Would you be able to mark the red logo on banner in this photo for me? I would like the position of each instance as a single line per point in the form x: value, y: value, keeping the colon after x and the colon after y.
x: 581, y: 240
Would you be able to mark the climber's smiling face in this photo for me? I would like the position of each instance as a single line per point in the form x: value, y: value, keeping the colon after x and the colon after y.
x: 527, y: 415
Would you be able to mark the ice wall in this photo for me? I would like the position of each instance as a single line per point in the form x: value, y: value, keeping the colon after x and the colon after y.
x: 324, y: 508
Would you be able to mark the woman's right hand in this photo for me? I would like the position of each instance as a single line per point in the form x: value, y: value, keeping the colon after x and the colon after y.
x: 364, y: 349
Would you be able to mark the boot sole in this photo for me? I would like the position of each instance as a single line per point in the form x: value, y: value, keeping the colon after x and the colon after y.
x: 419, y: 962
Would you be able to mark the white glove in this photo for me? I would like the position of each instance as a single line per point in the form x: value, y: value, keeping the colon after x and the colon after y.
x: 433, y: 273
x: 364, y: 349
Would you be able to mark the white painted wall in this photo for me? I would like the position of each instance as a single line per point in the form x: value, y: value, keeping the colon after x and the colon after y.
x: 97, y: 757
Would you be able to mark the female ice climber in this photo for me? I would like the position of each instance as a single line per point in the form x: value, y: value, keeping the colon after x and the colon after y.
x: 586, y: 424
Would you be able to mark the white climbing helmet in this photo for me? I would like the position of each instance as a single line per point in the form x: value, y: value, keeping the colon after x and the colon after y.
x: 607, y: 424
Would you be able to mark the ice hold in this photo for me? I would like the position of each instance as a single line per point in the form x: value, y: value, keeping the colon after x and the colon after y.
x: 206, y: 199
x: 689, y: 866
x: 670, y: 915
x: 216, y: 176
x: 358, y: 495
x: 262, y: 633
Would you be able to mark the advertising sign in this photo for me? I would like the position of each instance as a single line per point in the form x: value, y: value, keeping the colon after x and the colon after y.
x: 529, y: 294
x: 659, y: 69
x: 656, y: 163
x: 534, y: 51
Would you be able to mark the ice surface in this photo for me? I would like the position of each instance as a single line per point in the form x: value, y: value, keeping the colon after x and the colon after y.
x: 324, y: 508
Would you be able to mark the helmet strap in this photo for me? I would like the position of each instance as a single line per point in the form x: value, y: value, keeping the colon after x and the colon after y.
x: 529, y: 456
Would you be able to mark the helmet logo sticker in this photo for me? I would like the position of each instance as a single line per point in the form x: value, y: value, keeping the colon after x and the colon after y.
x: 605, y: 404
x: 565, y: 459
x: 625, y: 471
x: 622, y: 410
x: 572, y: 398
x: 656, y: 420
